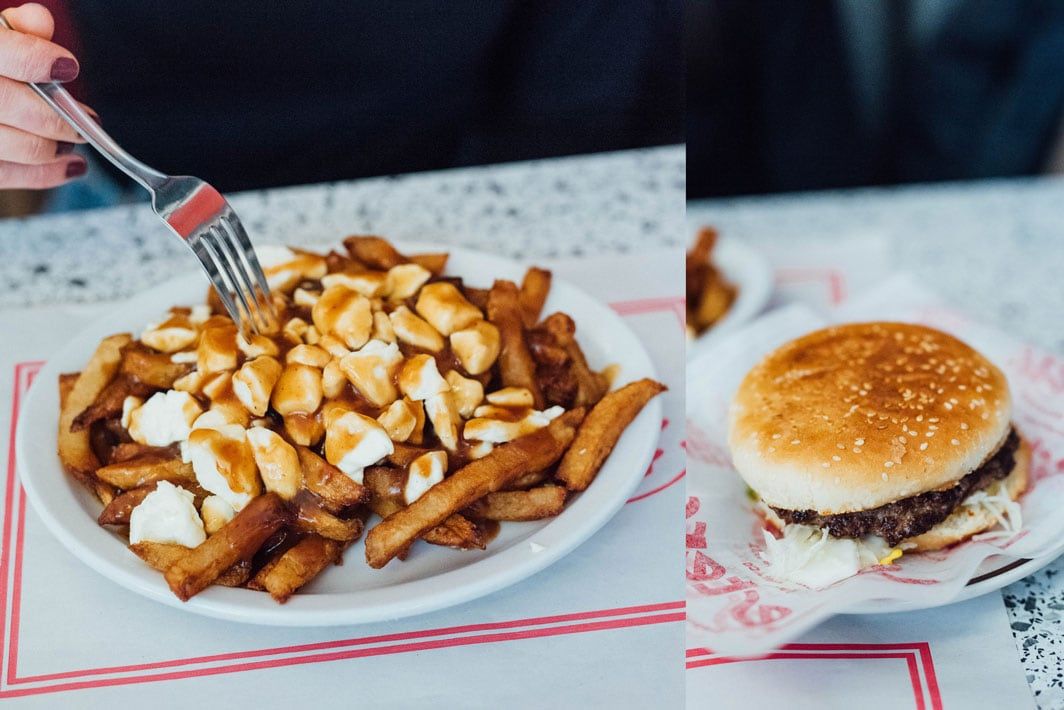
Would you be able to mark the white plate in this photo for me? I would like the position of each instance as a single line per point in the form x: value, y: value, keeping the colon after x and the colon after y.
x: 432, y: 577
x: 991, y: 575
x: 750, y: 272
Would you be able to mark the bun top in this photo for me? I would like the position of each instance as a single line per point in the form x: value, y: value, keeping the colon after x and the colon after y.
x: 856, y: 416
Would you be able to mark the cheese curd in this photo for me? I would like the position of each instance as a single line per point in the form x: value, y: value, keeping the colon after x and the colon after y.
x: 371, y: 370
x: 256, y: 346
x: 285, y: 268
x: 420, y: 379
x: 215, y: 513
x: 312, y: 355
x: 333, y: 380
x: 298, y: 389
x: 425, y: 472
x: 354, y: 441
x: 128, y: 405
x: 277, y: 461
x: 467, y: 393
x: 304, y: 429
x: 415, y: 331
x: 445, y: 308
x: 500, y: 431
x: 477, y: 346
x: 167, y: 515
x: 224, y: 463
x: 175, y: 333
x: 370, y: 284
x: 404, y: 280
x: 442, y: 412
x: 399, y: 419
x: 345, y: 313
x: 162, y: 420
x: 217, y: 349
x: 305, y: 298
x: 511, y: 397
x: 382, y: 327
x: 253, y: 383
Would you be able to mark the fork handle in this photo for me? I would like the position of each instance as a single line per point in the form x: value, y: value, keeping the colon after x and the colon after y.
x: 70, y: 111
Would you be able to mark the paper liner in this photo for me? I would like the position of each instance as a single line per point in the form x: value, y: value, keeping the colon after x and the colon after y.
x: 732, y: 607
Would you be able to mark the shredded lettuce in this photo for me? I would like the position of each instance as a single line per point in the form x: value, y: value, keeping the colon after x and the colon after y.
x: 812, y: 557
x: 998, y: 503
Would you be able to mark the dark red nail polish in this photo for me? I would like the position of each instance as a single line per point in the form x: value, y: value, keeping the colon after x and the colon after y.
x: 63, y: 148
x: 64, y: 69
x: 76, y: 168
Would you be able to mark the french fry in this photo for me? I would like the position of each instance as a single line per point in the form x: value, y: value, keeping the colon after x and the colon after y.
x: 336, y: 489
x: 147, y: 469
x: 311, y: 517
x: 238, y: 540
x: 132, y: 450
x: 600, y: 431
x: 456, y: 531
x: 66, y: 384
x: 386, y: 486
x: 108, y: 403
x: 117, y: 512
x: 296, y: 566
x: 535, y: 288
x: 470, y: 483
x: 533, y: 504
x: 75, y: 450
x: 516, y: 366
x: 162, y: 556
x: 152, y: 369
x: 375, y: 252
x: 529, y: 480
x: 436, y: 263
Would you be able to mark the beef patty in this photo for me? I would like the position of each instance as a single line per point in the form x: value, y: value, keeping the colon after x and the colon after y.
x: 913, y: 516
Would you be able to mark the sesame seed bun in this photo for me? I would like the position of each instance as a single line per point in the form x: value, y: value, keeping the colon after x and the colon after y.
x: 856, y: 416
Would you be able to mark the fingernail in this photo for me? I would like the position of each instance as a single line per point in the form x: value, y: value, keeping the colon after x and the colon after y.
x: 63, y: 147
x: 76, y: 168
x: 64, y: 69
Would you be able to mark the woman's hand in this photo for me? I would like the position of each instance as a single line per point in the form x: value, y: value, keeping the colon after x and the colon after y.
x: 35, y: 143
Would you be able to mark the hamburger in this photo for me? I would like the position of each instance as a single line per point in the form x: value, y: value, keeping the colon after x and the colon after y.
x: 882, y: 437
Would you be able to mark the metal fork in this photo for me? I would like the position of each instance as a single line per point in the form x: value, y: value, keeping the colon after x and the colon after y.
x: 193, y: 210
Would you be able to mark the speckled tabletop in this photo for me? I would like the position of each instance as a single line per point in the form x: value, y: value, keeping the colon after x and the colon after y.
x: 616, y: 202
x: 995, y: 249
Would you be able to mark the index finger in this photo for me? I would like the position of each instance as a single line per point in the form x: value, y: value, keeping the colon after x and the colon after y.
x: 27, y: 58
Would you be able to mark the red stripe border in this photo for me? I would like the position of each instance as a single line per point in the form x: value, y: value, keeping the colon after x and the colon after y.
x: 917, y: 657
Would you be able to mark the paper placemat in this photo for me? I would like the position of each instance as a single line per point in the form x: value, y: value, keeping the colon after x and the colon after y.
x: 602, y: 626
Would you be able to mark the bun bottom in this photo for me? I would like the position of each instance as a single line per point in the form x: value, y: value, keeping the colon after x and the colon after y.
x: 964, y: 522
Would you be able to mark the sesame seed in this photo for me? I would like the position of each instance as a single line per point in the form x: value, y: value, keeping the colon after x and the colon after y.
x: 826, y: 465
x: 955, y: 442
x: 777, y: 436
x: 794, y: 442
x: 840, y: 446
x: 964, y: 425
x: 836, y: 458
x: 902, y: 439
x: 947, y: 405
x: 859, y: 442
x: 929, y: 434
x: 923, y: 446
x: 856, y: 450
x: 888, y: 464
x: 885, y: 477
